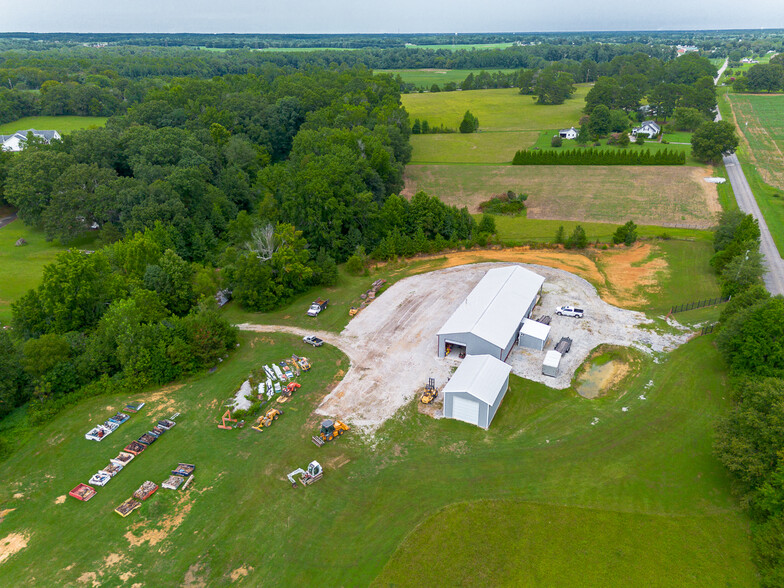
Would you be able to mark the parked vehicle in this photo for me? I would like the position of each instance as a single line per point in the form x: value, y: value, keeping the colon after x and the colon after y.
x: 569, y: 311
x: 317, y: 307
x: 315, y: 341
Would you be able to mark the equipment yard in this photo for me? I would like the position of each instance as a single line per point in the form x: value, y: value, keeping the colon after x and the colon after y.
x: 402, y: 325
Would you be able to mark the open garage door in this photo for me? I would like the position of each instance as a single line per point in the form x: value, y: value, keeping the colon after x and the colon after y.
x: 465, y: 410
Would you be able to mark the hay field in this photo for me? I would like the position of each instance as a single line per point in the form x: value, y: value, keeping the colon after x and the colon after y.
x: 761, y: 121
x: 667, y: 196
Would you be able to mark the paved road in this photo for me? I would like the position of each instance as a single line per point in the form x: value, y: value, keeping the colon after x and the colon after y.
x: 774, y: 265
x: 6, y: 220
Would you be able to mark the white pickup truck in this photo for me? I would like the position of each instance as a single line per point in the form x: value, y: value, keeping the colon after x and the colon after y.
x: 317, y: 307
x: 569, y: 311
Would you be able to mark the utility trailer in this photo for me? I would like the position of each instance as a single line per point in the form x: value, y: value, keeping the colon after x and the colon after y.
x: 564, y: 345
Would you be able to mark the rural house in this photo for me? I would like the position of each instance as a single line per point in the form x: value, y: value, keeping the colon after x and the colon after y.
x: 568, y: 133
x: 648, y: 128
x: 489, y: 319
x: 16, y: 142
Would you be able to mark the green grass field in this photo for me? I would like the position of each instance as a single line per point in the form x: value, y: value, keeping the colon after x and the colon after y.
x: 425, y: 78
x: 22, y: 267
x: 497, y: 110
x: 673, y: 196
x: 483, y: 147
x: 642, y: 477
x: 61, y: 124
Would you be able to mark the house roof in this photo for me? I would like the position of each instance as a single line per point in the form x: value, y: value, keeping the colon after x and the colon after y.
x: 22, y: 135
x: 552, y: 358
x: 649, y: 123
x: 567, y: 130
x: 481, y: 376
x: 496, y: 306
x: 535, y: 329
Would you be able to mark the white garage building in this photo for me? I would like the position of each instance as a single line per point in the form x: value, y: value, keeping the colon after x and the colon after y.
x: 476, y: 390
x: 534, y: 335
x: 488, y: 321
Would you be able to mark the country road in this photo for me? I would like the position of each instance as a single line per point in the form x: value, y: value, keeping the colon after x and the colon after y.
x: 774, y: 265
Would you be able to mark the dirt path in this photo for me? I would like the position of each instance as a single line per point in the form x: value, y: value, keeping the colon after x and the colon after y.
x: 392, y: 344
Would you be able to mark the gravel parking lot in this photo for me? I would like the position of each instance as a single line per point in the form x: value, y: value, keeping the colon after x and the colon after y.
x: 392, y: 343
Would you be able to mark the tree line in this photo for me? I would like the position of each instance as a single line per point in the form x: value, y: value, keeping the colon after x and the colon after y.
x: 750, y: 440
x: 591, y: 156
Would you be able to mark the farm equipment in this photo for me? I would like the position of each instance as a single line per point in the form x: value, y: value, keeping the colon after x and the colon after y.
x: 266, y: 419
x: 226, y: 418
x: 304, y: 364
x: 353, y: 311
x: 290, y: 387
x: 329, y: 430
x: 317, y: 306
x: 430, y: 392
x: 314, y: 474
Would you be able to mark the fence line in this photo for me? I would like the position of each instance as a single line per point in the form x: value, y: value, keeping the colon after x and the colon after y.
x: 707, y: 329
x: 699, y: 304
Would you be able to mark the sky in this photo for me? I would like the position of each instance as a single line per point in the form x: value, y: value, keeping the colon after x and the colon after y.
x: 389, y: 16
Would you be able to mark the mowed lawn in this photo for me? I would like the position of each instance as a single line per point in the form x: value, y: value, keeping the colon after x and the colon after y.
x: 668, y: 196
x: 22, y: 267
x: 497, y: 110
x: 61, y: 124
x: 483, y: 147
x: 645, y: 477
x: 425, y: 78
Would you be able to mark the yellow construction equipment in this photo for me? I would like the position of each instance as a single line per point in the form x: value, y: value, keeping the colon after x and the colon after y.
x: 352, y: 311
x: 329, y: 430
x: 266, y: 419
x: 430, y: 392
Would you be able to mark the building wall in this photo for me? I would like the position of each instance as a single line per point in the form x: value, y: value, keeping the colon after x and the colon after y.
x: 496, y: 405
x: 531, y: 342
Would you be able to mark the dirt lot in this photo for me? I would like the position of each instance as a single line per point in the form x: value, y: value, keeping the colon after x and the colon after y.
x: 674, y: 196
x: 392, y: 343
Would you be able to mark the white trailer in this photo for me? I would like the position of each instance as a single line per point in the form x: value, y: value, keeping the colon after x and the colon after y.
x: 551, y: 365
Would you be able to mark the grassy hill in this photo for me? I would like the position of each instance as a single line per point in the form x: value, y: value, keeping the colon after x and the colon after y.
x: 61, y: 124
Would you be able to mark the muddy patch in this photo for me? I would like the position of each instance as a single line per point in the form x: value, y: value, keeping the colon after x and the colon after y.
x: 241, y: 572
x: 599, y: 379
x: 165, y: 526
x: 193, y: 577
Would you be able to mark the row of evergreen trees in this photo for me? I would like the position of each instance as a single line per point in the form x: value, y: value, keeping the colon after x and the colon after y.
x: 598, y: 157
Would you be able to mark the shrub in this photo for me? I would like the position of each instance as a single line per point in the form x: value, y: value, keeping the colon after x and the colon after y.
x: 508, y: 204
x: 556, y: 141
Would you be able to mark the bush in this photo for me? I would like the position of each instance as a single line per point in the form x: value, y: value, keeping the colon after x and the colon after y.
x: 556, y: 141
x: 509, y: 204
x: 627, y: 234
x: 354, y: 265
x: 578, y: 239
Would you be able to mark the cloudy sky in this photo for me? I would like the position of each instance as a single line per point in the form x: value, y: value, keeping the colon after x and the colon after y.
x: 389, y: 16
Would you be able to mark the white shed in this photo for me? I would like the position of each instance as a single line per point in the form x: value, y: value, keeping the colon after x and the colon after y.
x: 476, y: 390
x: 533, y: 334
x: 552, y: 362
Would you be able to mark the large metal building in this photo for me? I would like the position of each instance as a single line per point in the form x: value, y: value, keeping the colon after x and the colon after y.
x: 489, y: 319
x: 476, y: 390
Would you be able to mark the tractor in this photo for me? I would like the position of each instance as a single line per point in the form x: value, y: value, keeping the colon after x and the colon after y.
x: 430, y: 392
x: 290, y: 387
x: 266, y: 419
x: 329, y: 430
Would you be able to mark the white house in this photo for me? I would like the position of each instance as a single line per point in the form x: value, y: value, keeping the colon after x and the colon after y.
x: 648, y: 128
x: 568, y: 133
x: 16, y: 142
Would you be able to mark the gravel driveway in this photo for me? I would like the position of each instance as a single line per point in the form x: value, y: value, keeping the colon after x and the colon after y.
x: 392, y: 343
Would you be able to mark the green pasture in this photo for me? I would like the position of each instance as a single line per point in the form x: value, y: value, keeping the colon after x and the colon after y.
x: 61, y: 124
x: 543, y: 142
x: 466, y: 47
x: 22, y: 267
x: 425, y: 78
x: 616, y: 499
x: 482, y: 147
x: 497, y: 110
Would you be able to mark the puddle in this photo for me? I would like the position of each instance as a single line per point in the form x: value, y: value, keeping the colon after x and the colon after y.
x: 598, y: 378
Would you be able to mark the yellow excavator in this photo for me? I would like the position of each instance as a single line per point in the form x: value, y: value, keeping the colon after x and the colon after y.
x: 430, y: 392
x: 329, y: 430
x: 266, y: 419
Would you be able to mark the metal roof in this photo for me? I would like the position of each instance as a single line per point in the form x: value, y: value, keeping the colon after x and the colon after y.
x: 496, y: 306
x: 552, y: 358
x: 481, y: 376
x: 535, y: 329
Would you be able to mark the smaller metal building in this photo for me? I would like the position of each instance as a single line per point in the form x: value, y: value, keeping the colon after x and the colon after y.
x: 476, y: 390
x: 533, y: 334
x: 552, y: 364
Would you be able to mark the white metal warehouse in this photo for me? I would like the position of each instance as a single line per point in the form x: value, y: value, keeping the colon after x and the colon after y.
x: 533, y: 335
x: 476, y: 390
x: 489, y: 319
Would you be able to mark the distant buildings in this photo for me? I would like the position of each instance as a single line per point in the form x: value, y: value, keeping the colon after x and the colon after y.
x: 16, y: 142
